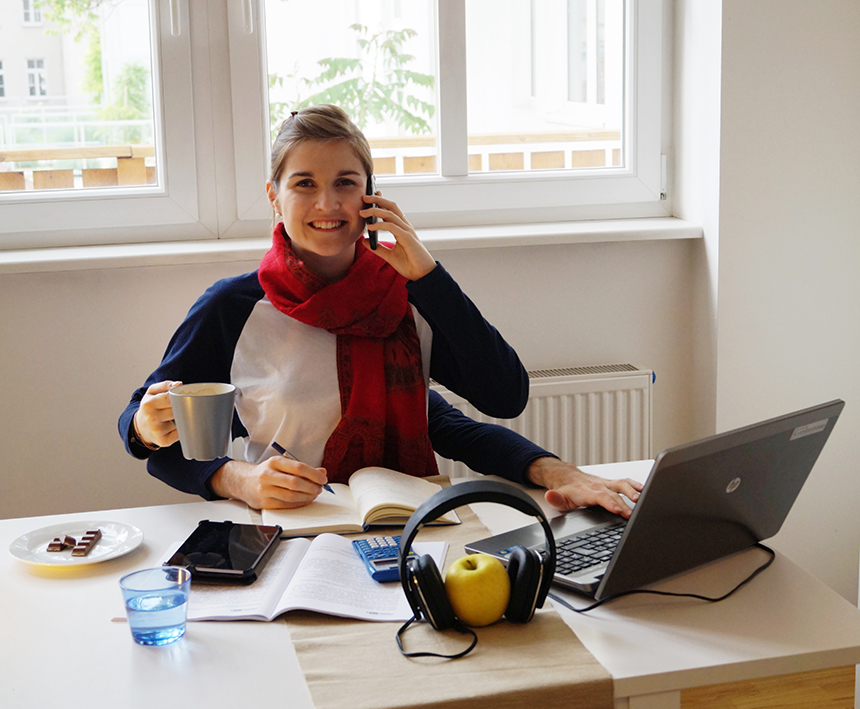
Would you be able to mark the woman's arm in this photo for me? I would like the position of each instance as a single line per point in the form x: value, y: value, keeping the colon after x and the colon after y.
x: 490, y: 449
x: 469, y: 356
x: 200, y: 350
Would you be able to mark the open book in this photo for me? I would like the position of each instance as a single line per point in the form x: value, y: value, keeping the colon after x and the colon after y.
x: 374, y: 496
x: 324, y: 575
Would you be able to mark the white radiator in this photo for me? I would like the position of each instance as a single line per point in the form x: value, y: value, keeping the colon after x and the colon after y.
x: 585, y: 415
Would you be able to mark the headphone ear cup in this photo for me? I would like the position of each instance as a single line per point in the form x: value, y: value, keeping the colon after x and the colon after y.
x: 524, y: 570
x: 430, y: 589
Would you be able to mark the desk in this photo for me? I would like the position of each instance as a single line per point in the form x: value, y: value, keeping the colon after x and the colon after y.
x: 784, y: 621
x: 60, y: 649
x: 57, y: 621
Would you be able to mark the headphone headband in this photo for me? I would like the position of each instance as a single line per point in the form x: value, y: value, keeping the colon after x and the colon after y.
x: 468, y: 493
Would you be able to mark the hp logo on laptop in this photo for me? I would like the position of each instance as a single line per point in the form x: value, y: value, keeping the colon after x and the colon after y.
x: 733, y: 485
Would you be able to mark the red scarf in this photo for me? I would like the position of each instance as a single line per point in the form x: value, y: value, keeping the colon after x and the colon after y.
x: 382, y: 392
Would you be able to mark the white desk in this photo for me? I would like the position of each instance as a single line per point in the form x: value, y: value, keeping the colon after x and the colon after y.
x: 784, y: 621
x: 56, y: 623
x: 59, y: 647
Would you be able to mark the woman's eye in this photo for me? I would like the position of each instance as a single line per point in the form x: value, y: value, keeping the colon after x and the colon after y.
x: 304, y: 183
x: 346, y: 182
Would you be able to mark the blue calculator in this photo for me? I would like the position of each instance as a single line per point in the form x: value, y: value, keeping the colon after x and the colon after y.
x: 379, y: 555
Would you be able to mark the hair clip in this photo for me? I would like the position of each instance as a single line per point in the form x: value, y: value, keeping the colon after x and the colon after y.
x: 293, y: 113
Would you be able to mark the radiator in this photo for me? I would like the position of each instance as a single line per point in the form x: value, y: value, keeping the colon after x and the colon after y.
x: 585, y: 415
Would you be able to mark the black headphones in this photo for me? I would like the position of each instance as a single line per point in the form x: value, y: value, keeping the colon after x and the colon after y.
x: 530, y: 573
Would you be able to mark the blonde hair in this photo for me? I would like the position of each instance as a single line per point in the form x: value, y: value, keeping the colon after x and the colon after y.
x: 325, y: 123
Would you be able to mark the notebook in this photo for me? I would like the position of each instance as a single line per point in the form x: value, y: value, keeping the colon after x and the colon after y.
x: 702, y: 501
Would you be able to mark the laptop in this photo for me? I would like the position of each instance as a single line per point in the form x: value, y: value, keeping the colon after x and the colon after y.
x: 702, y: 501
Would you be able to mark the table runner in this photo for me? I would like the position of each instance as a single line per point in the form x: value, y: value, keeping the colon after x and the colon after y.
x: 356, y: 664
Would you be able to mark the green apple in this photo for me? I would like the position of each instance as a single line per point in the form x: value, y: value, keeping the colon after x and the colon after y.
x: 478, y: 588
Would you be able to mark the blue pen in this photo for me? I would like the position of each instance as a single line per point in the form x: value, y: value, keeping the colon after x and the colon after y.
x: 284, y: 452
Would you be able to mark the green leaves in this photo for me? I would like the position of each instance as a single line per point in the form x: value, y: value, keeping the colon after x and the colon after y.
x: 377, y: 86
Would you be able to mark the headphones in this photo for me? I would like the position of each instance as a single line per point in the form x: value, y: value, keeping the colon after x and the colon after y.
x: 530, y: 573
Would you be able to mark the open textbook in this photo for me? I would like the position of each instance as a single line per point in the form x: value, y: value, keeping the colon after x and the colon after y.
x: 324, y: 574
x: 374, y: 496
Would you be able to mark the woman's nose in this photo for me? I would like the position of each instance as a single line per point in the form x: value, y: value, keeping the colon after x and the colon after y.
x: 327, y: 199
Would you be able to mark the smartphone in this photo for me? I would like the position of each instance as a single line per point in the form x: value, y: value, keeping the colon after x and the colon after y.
x: 372, y: 236
x: 227, y: 552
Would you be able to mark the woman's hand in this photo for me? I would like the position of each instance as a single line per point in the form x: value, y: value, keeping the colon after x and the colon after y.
x: 568, y: 487
x: 408, y: 256
x: 276, y: 483
x: 153, y: 421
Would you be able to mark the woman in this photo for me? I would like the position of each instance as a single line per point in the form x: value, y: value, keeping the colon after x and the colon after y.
x: 330, y: 344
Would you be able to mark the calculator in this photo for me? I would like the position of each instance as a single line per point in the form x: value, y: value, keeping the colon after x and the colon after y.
x: 379, y: 555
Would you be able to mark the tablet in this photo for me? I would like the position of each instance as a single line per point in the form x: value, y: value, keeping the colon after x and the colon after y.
x: 227, y: 552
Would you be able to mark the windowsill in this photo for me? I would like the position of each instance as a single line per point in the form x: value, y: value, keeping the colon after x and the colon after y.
x: 82, y: 258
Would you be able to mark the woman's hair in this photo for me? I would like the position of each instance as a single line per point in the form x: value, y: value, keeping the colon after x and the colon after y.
x: 325, y: 123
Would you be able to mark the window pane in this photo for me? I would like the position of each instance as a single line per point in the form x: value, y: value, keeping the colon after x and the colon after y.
x: 375, y: 59
x: 545, y: 84
x: 77, y: 111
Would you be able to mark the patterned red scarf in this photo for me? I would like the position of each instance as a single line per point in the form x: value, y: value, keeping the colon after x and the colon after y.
x: 382, y: 392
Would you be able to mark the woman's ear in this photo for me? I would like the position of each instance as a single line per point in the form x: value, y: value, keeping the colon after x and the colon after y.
x: 272, y: 194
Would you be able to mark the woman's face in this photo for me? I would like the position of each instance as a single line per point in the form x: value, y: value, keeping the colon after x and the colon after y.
x: 319, y: 198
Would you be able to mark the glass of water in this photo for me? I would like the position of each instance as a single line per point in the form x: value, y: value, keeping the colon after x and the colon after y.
x: 156, y: 602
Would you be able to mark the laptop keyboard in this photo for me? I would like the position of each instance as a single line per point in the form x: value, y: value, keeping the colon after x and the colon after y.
x: 583, y: 551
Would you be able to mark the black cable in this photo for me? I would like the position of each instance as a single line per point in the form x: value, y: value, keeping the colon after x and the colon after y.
x: 669, y: 593
x: 462, y: 629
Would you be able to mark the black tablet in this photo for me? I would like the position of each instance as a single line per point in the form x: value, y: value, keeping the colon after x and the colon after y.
x: 227, y: 552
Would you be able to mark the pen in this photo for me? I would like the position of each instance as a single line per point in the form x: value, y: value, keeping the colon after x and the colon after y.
x: 284, y: 452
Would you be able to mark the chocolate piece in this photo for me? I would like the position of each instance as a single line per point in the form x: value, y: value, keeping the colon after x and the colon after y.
x: 87, y: 542
x: 62, y: 542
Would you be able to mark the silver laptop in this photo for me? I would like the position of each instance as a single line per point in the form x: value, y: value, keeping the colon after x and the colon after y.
x: 702, y: 501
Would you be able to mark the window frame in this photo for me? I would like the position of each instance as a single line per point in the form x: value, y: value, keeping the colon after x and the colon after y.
x: 213, y: 162
x: 167, y: 212
x: 630, y: 192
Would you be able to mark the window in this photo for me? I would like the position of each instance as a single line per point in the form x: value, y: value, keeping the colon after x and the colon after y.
x: 2, y: 81
x: 545, y: 84
x: 554, y: 114
x: 36, y: 82
x: 31, y: 13
x: 87, y: 147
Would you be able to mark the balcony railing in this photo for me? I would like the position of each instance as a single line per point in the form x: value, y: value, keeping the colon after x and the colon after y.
x: 391, y: 156
x: 130, y: 167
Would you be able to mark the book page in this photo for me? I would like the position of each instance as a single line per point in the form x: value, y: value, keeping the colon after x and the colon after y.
x: 379, y: 492
x: 332, y: 579
x: 333, y: 512
x: 256, y: 601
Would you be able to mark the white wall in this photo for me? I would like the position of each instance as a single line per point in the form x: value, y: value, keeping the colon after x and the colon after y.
x: 789, y: 249
x: 76, y: 344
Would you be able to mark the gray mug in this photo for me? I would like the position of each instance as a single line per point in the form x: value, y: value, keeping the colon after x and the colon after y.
x: 204, y: 416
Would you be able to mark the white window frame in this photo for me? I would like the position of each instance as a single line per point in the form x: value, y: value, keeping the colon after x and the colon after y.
x: 169, y: 211
x: 456, y: 197
x: 213, y: 162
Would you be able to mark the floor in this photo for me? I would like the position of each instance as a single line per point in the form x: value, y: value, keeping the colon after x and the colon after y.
x: 824, y: 689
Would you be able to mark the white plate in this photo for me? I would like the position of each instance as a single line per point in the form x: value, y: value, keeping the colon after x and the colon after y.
x: 117, y: 539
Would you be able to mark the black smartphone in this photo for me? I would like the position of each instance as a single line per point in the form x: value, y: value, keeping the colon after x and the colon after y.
x: 372, y: 236
x: 227, y: 552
